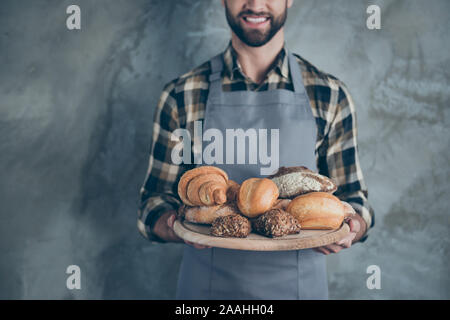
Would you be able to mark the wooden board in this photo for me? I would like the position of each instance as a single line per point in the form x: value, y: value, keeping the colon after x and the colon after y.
x: 306, y: 239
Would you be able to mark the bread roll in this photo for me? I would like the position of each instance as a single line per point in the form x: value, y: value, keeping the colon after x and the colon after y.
x: 318, y: 210
x: 207, y: 214
x: 276, y: 223
x: 233, y: 225
x: 256, y: 196
x: 232, y: 191
x: 294, y: 181
x: 281, y: 204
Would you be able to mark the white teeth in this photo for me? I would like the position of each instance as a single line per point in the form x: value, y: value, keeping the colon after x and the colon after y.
x: 256, y: 20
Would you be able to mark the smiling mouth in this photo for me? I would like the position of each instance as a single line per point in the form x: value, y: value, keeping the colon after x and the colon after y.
x: 252, y: 19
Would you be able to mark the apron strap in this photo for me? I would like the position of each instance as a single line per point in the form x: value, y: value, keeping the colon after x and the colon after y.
x: 215, y: 78
x: 296, y: 74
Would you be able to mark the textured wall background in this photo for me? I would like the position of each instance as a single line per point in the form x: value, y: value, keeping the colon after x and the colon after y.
x: 75, y: 127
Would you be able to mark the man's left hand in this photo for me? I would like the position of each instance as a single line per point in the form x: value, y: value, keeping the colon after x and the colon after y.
x: 357, y: 229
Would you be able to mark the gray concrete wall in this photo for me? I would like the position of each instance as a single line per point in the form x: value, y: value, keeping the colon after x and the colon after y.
x: 76, y: 118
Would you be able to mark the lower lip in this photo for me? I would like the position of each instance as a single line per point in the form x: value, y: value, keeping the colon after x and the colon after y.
x: 255, y: 25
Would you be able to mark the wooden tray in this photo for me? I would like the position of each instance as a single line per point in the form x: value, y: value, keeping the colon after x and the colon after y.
x: 306, y: 239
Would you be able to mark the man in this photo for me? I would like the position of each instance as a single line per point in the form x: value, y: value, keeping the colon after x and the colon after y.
x: 256, y: 83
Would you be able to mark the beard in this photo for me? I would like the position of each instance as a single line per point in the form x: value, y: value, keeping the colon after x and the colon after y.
x: 255, y: 38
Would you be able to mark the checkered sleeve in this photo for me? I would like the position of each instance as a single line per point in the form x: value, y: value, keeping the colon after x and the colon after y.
x: 340, y: 159
x: 159, y: 191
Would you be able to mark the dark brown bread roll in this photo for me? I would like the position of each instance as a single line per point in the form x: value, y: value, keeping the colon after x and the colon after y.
x: 295, y: 181
x: 234, y: 225
x: 276, y: 223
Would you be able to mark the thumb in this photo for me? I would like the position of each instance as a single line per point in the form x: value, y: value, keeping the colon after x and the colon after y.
x: 354, y: 225
x: 170, y: 221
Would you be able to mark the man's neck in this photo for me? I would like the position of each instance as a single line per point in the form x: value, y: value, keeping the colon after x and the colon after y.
x: 256, y: 61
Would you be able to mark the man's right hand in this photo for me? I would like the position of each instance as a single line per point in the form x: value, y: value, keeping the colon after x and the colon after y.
x: 163, y: 228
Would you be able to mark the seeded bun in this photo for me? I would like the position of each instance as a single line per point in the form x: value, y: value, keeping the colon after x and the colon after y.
x: 234, y: 225
x: 276, y: 223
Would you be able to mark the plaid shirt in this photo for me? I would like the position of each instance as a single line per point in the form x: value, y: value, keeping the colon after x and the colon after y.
x: 183, y: 102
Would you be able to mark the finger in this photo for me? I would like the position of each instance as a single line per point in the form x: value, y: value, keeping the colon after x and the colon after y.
x: 347, y: 241
x: 344, y: 238
x: 323, y: 250
x: 354, y: 225
x: 199, y: 246
x: 173, y: 236
x: 345, y: 244
x: 196, y: 245
x: 170, y: 221
x: 189, y: 243
x: 334, y: 248
x: 347, y: 238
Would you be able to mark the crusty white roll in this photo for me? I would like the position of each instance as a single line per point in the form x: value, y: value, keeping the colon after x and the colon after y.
x: 318, y: 210
x: 256, y: 196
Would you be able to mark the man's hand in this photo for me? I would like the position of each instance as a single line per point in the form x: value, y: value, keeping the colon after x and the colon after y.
x: 357, y: 229
x: 164, y: 229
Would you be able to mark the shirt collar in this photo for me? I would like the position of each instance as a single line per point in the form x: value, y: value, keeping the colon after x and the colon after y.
x: 233, y: 68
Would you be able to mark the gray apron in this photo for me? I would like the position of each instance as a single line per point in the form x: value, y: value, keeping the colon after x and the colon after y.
x: 217, y: 273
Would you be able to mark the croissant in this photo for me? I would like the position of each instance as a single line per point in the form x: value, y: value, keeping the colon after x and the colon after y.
x: 203, y: 186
